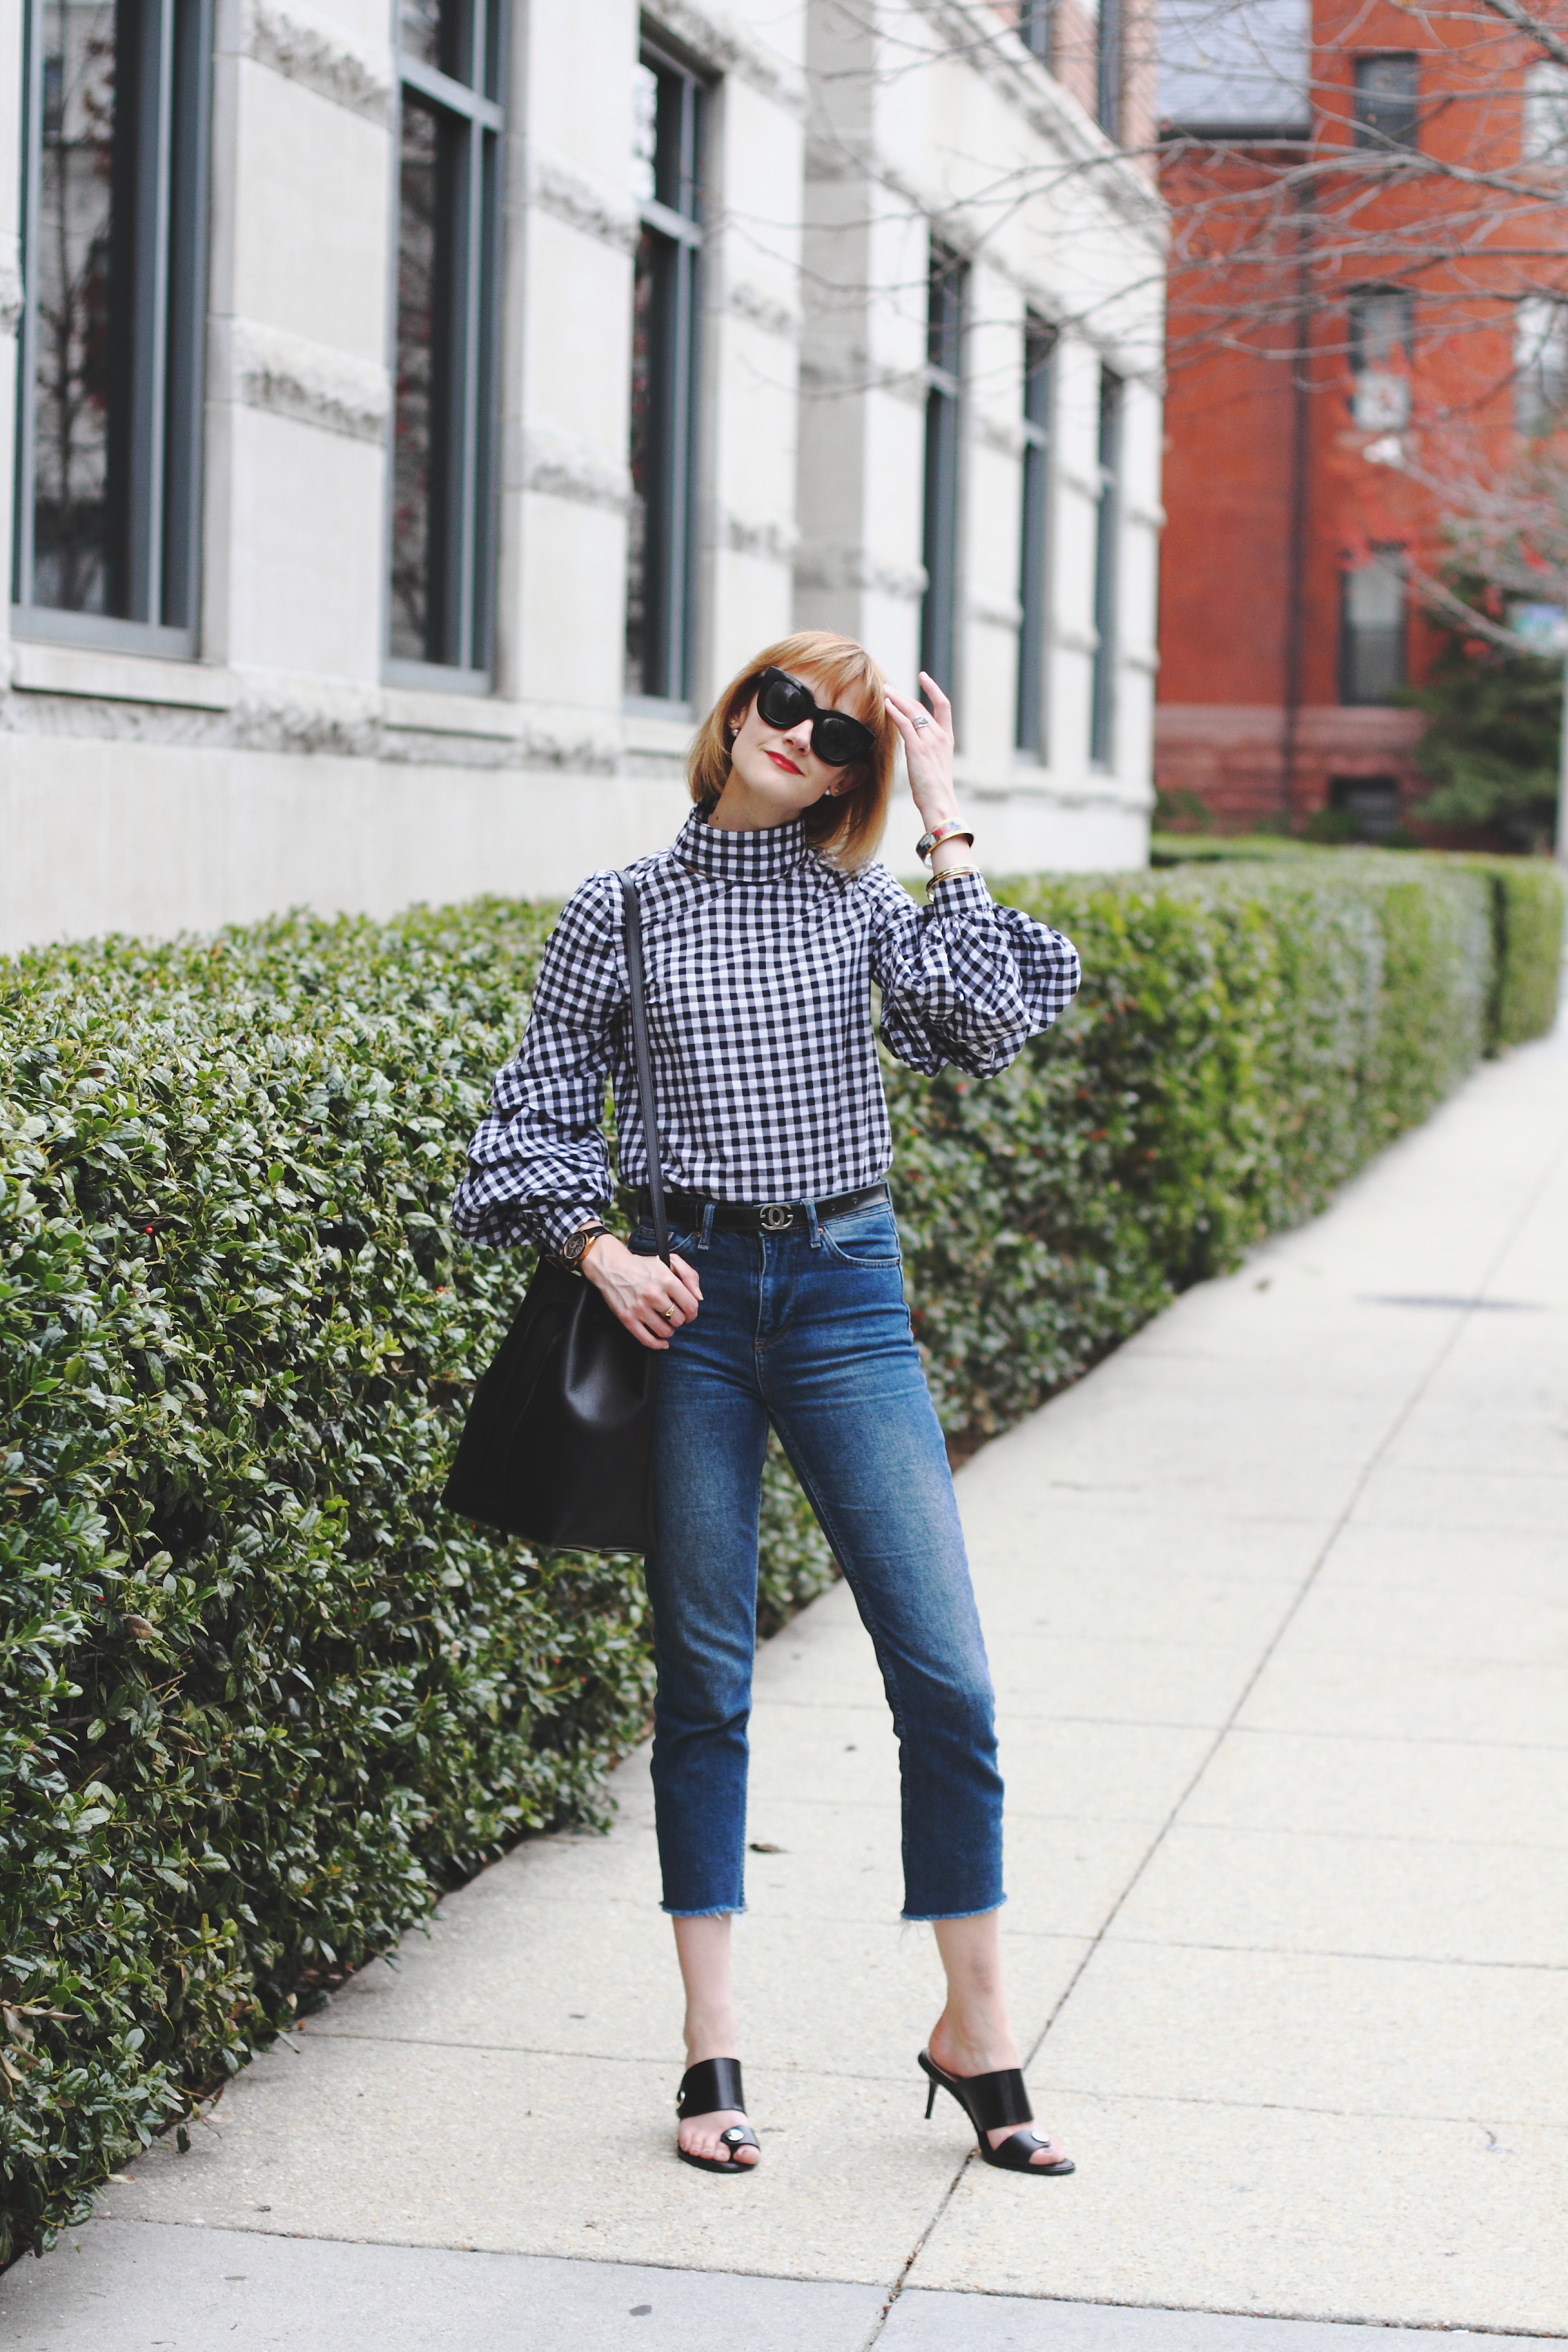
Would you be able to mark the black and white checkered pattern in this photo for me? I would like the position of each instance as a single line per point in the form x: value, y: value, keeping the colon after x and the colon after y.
x: 760, y: 959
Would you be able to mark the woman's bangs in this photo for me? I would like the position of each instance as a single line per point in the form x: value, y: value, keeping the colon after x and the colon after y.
x: 849, y: 677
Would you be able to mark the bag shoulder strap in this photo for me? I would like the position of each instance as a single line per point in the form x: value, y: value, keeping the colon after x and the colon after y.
x: 647, y: 1100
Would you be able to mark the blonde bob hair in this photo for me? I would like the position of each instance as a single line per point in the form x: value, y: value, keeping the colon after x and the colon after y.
x: 842, y: 675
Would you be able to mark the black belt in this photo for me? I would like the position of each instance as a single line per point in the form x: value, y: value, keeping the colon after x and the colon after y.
x: 686, y: 1211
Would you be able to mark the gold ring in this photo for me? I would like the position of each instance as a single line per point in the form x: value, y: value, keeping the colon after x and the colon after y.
x: 668, y: 1313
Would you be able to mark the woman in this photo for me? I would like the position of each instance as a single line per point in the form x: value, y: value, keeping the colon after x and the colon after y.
x: 764, y: 927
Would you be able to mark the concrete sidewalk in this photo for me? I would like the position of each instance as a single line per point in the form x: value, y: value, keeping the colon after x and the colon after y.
x: 1277, y: 1602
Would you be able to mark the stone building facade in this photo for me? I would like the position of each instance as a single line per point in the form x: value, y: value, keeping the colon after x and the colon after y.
x: 416, y: 419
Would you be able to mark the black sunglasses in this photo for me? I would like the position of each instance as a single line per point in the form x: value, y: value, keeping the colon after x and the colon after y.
x: 835, y: 738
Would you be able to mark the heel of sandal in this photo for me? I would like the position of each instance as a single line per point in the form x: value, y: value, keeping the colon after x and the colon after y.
x: 993, y: 2102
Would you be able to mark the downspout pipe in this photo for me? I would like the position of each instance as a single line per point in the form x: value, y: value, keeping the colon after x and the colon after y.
x: 1301, y: 461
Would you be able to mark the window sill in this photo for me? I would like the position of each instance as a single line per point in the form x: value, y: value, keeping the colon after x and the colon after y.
x: 51, y: 626
x: 37, y: 667
x: 436, y: 677
x: 436, y: 710
x: 661, y: 727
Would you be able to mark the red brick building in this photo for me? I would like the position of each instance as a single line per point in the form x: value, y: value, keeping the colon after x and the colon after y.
x: 1355, y: 332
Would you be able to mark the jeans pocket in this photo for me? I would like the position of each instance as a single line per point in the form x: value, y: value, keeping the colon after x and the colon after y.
x: 641, y: 1243
x: 865, y: 1237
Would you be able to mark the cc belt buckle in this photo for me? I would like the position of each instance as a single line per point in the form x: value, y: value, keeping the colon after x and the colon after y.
x: 777, y: 1217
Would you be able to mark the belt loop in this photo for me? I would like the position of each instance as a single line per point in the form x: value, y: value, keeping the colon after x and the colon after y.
x: 704, y: 1236
x: 813, y: 1227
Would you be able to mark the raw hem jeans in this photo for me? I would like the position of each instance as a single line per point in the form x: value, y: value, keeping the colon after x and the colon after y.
x: 809, y: 1332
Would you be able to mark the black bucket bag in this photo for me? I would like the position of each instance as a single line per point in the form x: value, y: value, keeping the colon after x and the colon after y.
x: 558, y: 1444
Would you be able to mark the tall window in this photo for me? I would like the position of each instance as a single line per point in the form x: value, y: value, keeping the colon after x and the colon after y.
x: 1544, y: 138
x: 1035, y: 27
x: 114, y: 264
x: 668, y: 184
x: 1039, y: 353
x: 1107, y: 529
x: 1541, y: 364
x: 1372, y: 628
x: 1386, y: 114
x: 945, y: 291
x: 1382, y: 325
x: 1037, y: 21
x: 1108, y: 68
x: 443, y: 452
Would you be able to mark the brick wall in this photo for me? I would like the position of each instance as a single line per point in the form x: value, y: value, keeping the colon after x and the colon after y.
x: 1270, y: 491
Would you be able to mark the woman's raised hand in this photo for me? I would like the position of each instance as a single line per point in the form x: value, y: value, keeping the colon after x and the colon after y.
x: 652, y: 1299
x: 927, y: 751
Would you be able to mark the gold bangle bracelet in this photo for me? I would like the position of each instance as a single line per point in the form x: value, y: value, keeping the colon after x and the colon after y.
x: 948, y: 874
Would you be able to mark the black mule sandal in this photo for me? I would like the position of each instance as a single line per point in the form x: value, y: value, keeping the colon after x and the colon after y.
x: 707, y: 2089
x: 990, y: 2101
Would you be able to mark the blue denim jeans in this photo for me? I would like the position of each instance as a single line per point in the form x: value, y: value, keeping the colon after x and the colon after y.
x: 810, y: 1331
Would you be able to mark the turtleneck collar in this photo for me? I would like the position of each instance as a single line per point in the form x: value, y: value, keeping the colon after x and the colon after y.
x: 766, y: 856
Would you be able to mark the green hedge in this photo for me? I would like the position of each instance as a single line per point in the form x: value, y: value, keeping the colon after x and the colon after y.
x: 1527, y: 913
x: 1249, y: 1036
x: 260, y: 1697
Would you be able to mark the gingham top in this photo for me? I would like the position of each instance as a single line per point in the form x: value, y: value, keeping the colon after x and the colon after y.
x: 759, y: 961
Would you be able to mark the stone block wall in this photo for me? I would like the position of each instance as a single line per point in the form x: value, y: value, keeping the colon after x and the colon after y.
x: 280, y: 764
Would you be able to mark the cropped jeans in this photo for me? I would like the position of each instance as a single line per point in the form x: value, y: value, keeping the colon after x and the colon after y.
x: 809, y: 1332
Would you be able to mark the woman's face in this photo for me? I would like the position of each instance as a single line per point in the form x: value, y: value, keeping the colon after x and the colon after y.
x: 774, y: 775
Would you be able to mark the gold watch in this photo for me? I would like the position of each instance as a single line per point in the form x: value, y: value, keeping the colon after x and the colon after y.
x: 573, y: 1248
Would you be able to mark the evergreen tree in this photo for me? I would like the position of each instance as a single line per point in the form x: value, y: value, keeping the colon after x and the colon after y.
x: 1494, y: 722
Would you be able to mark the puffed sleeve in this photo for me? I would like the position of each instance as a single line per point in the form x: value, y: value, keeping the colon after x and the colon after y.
x: 964, y: 980
x: 538, y: 1165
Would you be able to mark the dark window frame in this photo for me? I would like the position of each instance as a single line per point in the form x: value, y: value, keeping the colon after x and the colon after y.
x: 1357, y: 644
x: 1040, y: 344
x: 1102, y: 710
x: 1540, y: 374
x: 464, y: 96
x: 1401, y: 112
x: 1037, y: 31
x: 1108, y: 68
x: 1544, y: 128
x: 156, y: 335
x: 661, y: 607
x: 1358, y: 302
x: 1036, y: 19
x: 1372, y: 356
x: 1374, y: 803
x: 947, y: 303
